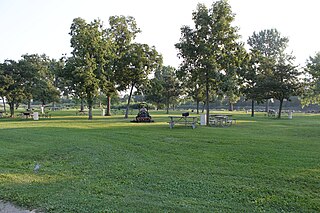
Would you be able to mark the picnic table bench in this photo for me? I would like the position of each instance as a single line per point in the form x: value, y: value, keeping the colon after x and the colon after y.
x: 81, y: 112
x: 184, y: 120
x: 45, y: 115
x: 27, y: 114
x: 221, y: 120
x: 272, y: 113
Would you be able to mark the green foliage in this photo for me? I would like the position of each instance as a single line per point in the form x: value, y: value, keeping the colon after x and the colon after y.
x: 89, y: 57
x: 271, y: 72
x: 311, y: 94
x: 137, y: 64
x: 208, y: 49
x: 39, y: 81
x: 164, y: 88
x: 269, y: 43
x: 112, y: 165
x: 12, y: 80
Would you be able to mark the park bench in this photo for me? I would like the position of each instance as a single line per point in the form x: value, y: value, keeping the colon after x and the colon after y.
x: 81, y: 112
x: 45, y: 115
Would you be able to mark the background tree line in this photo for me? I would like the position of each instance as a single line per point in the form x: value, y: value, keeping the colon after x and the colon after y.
x: 214, y: 65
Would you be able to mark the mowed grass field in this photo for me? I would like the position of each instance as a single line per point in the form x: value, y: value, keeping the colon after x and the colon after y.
x: 108, y: 164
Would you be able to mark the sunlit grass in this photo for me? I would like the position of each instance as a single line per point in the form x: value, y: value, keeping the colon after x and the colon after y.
x: 110, y: 164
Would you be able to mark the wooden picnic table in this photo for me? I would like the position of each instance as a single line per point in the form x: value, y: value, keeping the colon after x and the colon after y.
x: 185, y: 120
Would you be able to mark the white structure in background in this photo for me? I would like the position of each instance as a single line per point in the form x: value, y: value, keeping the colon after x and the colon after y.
x: 36, y: 116
x: 203, y: 119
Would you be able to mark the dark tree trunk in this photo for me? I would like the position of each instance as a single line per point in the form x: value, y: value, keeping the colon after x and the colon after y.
x: 207, y: 98
x: 252, y: 108
x: 11, y: 105
x: 108, y: 113
x: 53, y: 105
x: 90, y: 112
x: 267, y: 105
x: 280, y: 107
x: 29, y: 105
x: 90, y: 104
x: 4, y: 105
x: 230, y: 106
x: 198, y: 102
x: 128, y: 105
x: 82, y: 105
x: 203, y: 107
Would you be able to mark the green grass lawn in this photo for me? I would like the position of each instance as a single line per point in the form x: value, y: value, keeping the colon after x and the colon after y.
x: 260, y: 164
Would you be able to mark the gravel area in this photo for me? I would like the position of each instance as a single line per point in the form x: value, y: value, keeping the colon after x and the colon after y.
x: 6, y: 207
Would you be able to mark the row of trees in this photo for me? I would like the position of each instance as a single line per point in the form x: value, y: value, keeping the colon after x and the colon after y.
x: 32, y: 77
x: 214, y: 65
x: 103, y: 60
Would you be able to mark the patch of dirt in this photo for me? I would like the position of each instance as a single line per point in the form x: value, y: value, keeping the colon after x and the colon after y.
x: 6, y: 207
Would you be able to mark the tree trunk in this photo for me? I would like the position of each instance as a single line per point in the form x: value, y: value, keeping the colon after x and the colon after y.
x: 108, y: 113
x: 207, y: 98
x: 252, y: 108
x: 230, y: 106
x: 82, y: 105
x: 198, y: 102
x: 203, y: 107
x: 280, y: 108
x: 128, y: 105
x: 90, y: 112
x: 267, y: 105
x: 53, y: 105
x: 90, y: 104
x: 29, y: 104
x: 4, y: 105
x: 11, y: 105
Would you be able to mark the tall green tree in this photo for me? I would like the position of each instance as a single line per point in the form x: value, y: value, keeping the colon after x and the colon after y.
x: 30, y: 65
x: 250, y: 77
x: 46, y: 88
x: 13, y: 81
x: 121, y: 32
x: 140, y: 60
x: 271, y: 45
x: 39, y: 80
x: 5, y: 82
x: 165, y: 88
x: 231, y: 80
x: 90, y: 47
x: 312, y: 92
x: 205, y: 46
x: 154, y: 92
x: 286, y: 81
x: 188, y: 73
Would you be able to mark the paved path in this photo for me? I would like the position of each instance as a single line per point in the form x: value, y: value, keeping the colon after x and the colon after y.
x: 6, y: 207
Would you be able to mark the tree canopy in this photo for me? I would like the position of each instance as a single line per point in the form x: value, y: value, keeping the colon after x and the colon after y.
x: 206, y: 48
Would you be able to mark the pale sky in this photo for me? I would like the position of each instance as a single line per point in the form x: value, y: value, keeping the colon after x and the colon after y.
x: 42, y: 26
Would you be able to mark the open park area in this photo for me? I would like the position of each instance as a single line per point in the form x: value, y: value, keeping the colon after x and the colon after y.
x: 110, y: 164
